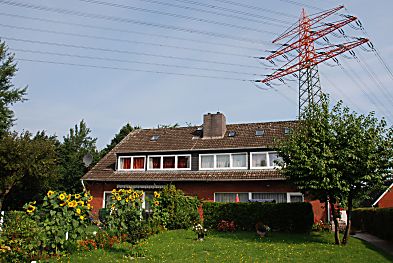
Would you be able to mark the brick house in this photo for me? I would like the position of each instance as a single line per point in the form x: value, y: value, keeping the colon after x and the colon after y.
x: 216, y: 161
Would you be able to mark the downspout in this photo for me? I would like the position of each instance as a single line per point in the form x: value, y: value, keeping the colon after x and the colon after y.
x: 83, y: 184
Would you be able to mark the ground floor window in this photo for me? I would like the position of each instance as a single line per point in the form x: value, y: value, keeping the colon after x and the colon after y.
x: 230, y: 197
x: 107, y: 200
x: 147, y: 198
x: 285, y: 197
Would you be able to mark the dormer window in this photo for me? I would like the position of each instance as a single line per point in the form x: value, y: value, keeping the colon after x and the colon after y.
x: 287, y: 131
x: 128, y: 163
x: 169, y: 162
x: 154, y: 138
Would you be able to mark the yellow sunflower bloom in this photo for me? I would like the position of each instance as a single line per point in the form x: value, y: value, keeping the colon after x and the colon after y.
x: 77, y: 196
x: 50, y: 193
x: 31, y: 209
x: 68, y: 197
x: 62, y: 196
x: 118, y: 198
x: 156, y: 203
x: 63, y: 204
x: 129, y: 191
x: 114, y: 191
x: 86, y: 194
x: 82, y: 218
x: 127, y: 200
x: 81, y: 203
x: 78, y: 211
x: 89, y: 206
x: 90, y: 198
x: 73, y: 203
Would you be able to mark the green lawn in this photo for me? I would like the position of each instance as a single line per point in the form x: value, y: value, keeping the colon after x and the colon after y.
x: 181, y: 246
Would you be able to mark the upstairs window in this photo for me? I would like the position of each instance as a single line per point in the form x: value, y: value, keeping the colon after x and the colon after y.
x: 268, y: 160
x: 170, y: 162
x: 223, y: 161
x: 127, y: 163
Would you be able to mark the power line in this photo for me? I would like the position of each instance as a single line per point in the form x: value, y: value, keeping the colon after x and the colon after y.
x: 112, y: 29
x: 189, y: 8
x: 129, y: 61
x: 126, y: 20
x: 124, y: 40
x: 125, y: 52
x: 139, y: 9
x: 129, y: 69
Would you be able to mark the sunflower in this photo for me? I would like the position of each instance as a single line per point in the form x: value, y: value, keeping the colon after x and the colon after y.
x: 50, y: 193
x: 127, y: 200
x: 114, y: 191
x: 62, y: 196
x: 63, y: 204
x: 129, y: 191
x: 82, y: 218
x: 81, y: 203
x: 90, y: 198
x: 68, y: 197
x: 31, y: 209
x: 89, y: 206
x: 73, y: 203
x: 156, y: 203
x: 86, y: 194
x: 78, y: 211
x: 118, y: 198
x: 77, y: 196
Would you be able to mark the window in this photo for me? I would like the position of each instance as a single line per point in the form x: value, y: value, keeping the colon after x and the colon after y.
x: 207, y: 161
x: 269, y: 160
x: 172, y: 162
x: 259, y: 132
x: 296, y: 198
x: 107, y: 200
x: 154, y: 138
x: 230, y: 197
x: 239, y: 160
x: 287, y: 131
x: 258, y: 160
x: 231, y: 134
x: 223, y: 161
x: 128, y: 163
x: 270, y: 197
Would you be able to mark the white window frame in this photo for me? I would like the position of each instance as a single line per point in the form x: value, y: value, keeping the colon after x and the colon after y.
x: 230, y: 193
x: 132, y: 163
x: 289, y: 194
x: 104, y: 196
x: 162, y: 162
x: 267, y: 161
x: 222, y: 168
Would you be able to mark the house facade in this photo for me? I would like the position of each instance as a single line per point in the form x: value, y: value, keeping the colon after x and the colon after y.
x: 216, y: 161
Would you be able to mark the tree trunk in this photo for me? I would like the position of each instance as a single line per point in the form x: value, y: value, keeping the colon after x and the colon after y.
x: 336, y: 230
x: 349, y: 219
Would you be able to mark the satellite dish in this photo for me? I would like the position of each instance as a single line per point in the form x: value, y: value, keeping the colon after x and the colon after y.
x: 87, y: 159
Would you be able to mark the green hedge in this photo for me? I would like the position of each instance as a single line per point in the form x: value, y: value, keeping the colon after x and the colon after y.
x: 377, y: 221
x: 293, y: 217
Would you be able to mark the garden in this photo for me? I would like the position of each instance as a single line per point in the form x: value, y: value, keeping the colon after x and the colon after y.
x: 61, y: 229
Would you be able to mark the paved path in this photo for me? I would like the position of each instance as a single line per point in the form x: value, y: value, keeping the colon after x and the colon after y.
x: 384, y: 245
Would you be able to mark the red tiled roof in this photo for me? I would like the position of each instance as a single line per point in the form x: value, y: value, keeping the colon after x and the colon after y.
x: 188, y: 139
x: 226, y: 175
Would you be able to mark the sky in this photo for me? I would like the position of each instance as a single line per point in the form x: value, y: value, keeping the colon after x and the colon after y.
x: 151, y: 62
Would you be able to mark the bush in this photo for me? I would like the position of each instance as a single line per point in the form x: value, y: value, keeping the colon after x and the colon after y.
x: 103, y: 214
x: 174, y: 210
x: 292, y: 217
x: 376, y: 221
x: 20, y: 238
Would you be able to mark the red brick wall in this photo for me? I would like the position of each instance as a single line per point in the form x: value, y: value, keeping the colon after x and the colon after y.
x: 387, y: 199
x: 205, y: 191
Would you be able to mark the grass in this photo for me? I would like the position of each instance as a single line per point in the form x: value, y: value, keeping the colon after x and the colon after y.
x: 181, y: 246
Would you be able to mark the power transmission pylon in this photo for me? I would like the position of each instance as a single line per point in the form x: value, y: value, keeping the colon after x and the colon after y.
x: 305, y: 63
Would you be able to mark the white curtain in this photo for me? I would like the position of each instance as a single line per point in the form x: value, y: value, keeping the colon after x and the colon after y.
x: 223, y: 161
x: 239, y: 160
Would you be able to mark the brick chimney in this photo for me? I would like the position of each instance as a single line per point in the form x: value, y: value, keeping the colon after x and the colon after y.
x: 214, y: 125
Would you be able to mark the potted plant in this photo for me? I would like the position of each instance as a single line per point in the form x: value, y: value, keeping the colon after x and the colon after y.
x: 262, y: 229
x: 201, y: 232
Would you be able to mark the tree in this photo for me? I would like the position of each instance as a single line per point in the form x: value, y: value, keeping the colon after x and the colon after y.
x: 8, y: 94
x: 25, y: 157
x: 75, y: 146
x: 124, y: 131
x: 335, y: 155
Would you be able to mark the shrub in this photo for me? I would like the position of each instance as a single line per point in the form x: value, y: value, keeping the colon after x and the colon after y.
x: 173, y: 209
x: 377, y: 221
x: 294, y: 217
x: 103, y: 214
x: 226, y: 226
x: 20, y: 238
